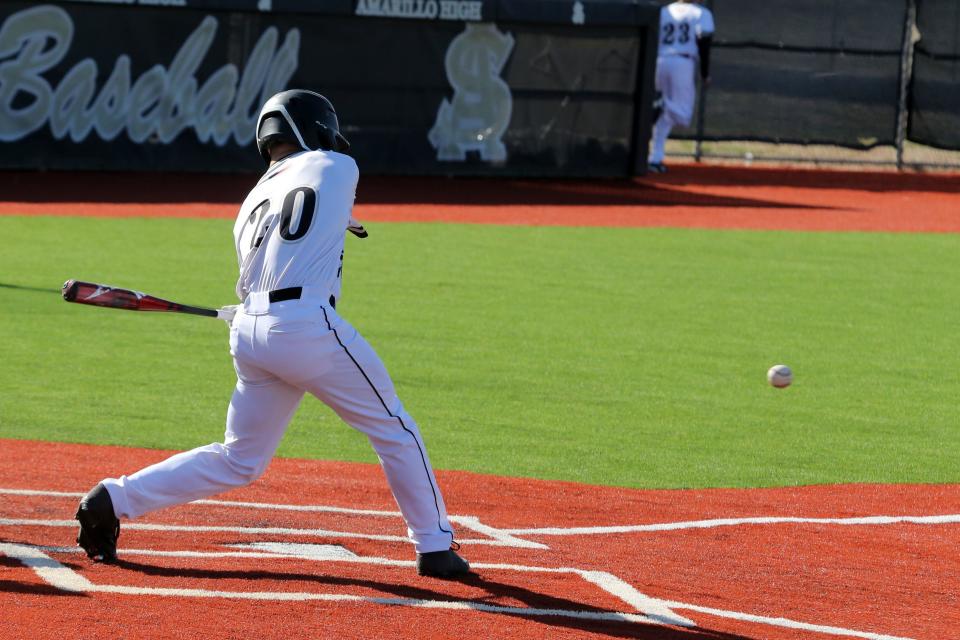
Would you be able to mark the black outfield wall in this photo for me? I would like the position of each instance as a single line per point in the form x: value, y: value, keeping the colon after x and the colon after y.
x: 520, y: 87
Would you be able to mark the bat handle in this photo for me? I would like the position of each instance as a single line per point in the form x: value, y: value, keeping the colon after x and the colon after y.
x: 226, y: 313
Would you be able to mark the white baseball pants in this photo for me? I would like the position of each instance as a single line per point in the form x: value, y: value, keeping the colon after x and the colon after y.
x: 677, y: 84
x: 281, y: 351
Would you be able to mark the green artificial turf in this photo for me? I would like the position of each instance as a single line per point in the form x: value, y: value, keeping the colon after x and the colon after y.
x: 632, y: 357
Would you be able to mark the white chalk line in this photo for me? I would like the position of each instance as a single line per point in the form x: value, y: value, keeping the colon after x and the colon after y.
x: 225, y: 503
x: 270, y: 531
x: 298, y: 550
x: 62, y: 577
x: 731, y: 522
x: 508, y: 537
x: 784, y: 622
x: 507, y: 540
x: 497, y: 537
x: 267, y: 531
x: 651, y: 607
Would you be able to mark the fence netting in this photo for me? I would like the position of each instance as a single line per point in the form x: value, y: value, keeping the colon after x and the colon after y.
x: 806, y: 98
x: 935, y: 99
x: 828, y: 72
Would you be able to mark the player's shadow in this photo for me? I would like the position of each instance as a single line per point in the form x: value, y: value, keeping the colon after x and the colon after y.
x: 29, y: 588
x: 613, y: 628
x: 35, y: 589
x: 497, y: 594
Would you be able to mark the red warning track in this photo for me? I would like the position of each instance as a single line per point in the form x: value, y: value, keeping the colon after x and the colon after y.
x: 553, y: 559
x: 689, y: 196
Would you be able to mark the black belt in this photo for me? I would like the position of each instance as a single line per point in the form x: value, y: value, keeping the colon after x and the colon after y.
x: 290, y: 293
x: 293, y: 293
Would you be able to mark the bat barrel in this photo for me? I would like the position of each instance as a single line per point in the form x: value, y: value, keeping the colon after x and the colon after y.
x: 101, y: 295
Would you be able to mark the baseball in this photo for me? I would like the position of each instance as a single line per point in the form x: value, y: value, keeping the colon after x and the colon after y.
x: 780, y: 376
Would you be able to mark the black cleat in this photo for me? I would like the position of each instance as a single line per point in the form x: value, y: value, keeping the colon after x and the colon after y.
x: 656, y: 167
x: 99, y: 527
x: 442, y: 564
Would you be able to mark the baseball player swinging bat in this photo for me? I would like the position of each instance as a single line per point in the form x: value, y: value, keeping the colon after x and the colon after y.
x: 101, y: 295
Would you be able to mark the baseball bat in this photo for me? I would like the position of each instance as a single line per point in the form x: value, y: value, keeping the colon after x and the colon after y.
x: 101, y: 295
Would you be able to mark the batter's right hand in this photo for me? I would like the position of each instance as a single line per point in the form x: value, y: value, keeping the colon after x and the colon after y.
x: 356, y: 228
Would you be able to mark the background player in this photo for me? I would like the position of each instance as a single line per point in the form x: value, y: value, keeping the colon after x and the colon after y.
x: 686, y: 31
x: 286, y: 339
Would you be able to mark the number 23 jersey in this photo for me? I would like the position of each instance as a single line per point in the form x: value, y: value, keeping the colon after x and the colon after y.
x: 291, y: 226
x: 681, y: 24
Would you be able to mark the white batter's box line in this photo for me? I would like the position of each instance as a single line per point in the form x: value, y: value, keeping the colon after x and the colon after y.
x: 495, y: 537
x: 305, y: 508
x: 503, y: 538
x: 509, y: 537
x: 227, y: 503
x: 784, y: 622
x: 269, y: 531
x: 651, y: 610
x: 654, y: 610
x: 732, y: 522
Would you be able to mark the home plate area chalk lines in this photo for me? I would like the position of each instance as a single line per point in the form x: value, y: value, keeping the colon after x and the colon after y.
x: 636, y: 607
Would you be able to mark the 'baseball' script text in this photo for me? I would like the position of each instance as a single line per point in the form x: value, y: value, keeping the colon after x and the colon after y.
x: 157, y: 106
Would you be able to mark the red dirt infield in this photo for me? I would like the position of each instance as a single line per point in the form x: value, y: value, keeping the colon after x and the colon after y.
x: 315, y: 549
x: 700, y: 196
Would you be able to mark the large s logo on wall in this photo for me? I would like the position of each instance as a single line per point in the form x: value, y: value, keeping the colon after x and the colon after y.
x: 479, y: 113
x: 159, y: 104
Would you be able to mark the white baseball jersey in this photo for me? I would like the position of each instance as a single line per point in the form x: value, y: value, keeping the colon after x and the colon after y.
x: 290, y: 229
x: 681, y: 23
x: 290, y: 233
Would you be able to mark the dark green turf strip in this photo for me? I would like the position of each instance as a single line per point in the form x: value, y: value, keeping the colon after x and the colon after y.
x: 632, y: 357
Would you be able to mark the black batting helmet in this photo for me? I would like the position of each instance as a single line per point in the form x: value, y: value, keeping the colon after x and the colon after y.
x: 301, y: 117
